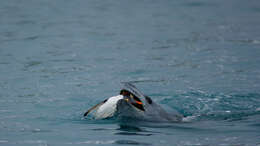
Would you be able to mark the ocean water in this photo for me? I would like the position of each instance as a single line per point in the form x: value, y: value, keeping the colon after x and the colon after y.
x: 199, y: 57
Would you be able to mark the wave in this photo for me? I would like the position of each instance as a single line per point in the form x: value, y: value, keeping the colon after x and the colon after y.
x: 204, y: 106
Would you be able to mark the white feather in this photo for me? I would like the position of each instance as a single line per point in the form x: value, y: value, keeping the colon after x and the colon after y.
x: 108, y: 109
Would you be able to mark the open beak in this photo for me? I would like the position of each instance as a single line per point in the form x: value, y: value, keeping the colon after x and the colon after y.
x: 135, y: 101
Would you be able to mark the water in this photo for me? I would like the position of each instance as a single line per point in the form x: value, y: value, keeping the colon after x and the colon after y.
x: 59, y: 58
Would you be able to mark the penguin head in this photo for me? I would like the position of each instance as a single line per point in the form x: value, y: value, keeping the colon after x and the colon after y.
x: 132, y: 99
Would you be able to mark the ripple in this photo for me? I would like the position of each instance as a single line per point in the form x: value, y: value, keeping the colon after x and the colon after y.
x: 32, y: 64
x: 25, y: 22
x: 37, y: 130
x: 132, y: 133
x: 4, y: 63
x: 97, y: 142
x: 31, y: 38
x: 147, y: 80
x: 258, y: 109
x: 3, y: 141
x: 196, y: 4
x: 40, y: 142
x: 247, y: 41
x: 102, y: 129
x: 131, y: 142
x: 130, y: 128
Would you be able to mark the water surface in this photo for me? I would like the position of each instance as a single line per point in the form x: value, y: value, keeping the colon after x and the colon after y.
x: 59, y: 58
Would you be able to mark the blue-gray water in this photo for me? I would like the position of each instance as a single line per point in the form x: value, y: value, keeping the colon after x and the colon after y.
x: 199, y: 57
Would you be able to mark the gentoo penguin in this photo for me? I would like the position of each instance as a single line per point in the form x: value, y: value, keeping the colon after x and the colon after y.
x: 132, y: 103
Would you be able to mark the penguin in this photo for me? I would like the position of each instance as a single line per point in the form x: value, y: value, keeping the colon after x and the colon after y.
x: 132, y: 103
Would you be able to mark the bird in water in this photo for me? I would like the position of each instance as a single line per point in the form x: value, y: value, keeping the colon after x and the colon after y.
x: 132, y: 103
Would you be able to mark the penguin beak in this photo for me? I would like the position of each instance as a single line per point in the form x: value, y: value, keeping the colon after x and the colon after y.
x: 136, y: 103
x: 132, y: 99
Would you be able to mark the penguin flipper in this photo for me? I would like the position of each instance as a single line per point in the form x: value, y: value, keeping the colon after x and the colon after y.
x: 94, y: 107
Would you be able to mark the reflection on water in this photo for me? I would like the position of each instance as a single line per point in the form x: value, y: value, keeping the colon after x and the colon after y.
x: 130, y: 142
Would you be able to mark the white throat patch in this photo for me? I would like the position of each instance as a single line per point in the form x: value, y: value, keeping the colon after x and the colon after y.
x: 108, y: 109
